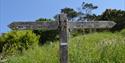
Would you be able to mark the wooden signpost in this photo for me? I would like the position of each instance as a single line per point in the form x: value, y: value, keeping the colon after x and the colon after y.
x: 63, y: 25
x: 33, y: 25
x: 92, y: 24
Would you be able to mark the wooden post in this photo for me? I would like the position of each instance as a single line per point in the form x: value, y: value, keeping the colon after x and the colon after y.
x: 63, y: 26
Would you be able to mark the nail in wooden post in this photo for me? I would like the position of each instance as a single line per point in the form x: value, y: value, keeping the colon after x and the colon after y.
x: 63, y: 25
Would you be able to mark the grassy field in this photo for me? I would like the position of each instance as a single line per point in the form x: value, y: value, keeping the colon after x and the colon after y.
x: 92, y: 48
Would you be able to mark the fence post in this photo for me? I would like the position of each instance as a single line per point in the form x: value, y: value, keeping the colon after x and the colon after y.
x: 63, y: 26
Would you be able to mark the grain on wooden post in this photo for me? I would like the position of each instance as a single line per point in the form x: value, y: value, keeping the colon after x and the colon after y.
x: 63, y: 26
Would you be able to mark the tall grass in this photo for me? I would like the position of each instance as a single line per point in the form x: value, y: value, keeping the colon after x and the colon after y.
x: 97, y: 48
x: 92, y: 48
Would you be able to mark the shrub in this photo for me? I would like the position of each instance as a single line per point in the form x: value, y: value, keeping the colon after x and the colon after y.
x: 14, y: 41
x: 47, y: 35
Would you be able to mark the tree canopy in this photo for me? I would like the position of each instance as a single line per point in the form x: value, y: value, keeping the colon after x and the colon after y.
x: 71, y: 13
x: 113, y: 15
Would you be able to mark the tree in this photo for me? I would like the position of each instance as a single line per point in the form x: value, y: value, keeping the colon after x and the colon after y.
x: 85, y: 13
x: 43, y: 20
x: 71, y: 13
x: 117, y: 16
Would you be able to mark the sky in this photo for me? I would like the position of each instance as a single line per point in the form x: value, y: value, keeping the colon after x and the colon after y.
x: 30, y: 10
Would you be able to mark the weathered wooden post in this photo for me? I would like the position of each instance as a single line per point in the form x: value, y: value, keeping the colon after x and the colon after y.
x: 63, y: 27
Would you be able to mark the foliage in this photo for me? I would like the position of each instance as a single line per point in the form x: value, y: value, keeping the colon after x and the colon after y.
x: 92, y: 48
x: 43, y: 20
x: 122, y: 32
x: 46, y: 35
x: 14, y: 41
x: 97, y: 48
x: 117, y: 16
x: 88, y: 7
x: 118, y: 26
x: 71, y: 13
x: 46, y: 54
x: 86, y: 11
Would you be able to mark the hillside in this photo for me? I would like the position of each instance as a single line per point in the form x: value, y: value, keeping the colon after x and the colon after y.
x: 102, y: 47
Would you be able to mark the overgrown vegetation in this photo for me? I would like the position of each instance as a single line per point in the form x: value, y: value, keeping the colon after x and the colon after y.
x: 17, y: 41
x: 104, y: 47
x: 47, y: 35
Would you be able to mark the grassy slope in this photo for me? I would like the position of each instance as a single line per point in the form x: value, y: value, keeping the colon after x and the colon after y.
x: 92, y: 48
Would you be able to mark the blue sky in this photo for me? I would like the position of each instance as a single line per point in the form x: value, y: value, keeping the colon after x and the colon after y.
x: 30, y: 10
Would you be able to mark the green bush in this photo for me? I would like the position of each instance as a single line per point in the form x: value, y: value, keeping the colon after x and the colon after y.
x: 47, y: 35
x: 14, y: 41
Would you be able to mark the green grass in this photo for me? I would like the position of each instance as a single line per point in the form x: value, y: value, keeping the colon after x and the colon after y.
x: 92, y: 48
